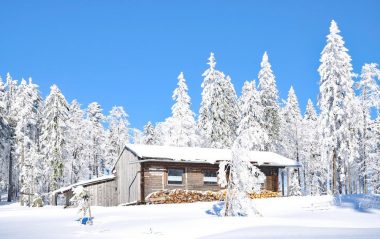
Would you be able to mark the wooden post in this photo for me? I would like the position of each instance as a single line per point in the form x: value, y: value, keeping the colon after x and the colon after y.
x: 282, y: 183
x: 287, y: 181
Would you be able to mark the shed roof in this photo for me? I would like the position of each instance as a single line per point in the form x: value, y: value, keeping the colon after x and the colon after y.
x: 205, y: 155
x: 85, y: 183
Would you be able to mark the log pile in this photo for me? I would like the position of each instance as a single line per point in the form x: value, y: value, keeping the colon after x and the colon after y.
x: 264, y: 194
x: 189, y: 196
x: 182, y: 196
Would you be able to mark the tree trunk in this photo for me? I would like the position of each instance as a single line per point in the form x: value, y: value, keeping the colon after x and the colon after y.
x: 334, y: 176
x: 10, y: 174
x: 10, y: 182
x: 304, y: 182
x: 365, y: 178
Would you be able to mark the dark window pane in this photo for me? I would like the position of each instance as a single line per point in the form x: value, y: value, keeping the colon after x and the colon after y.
x: 175, y: 176
x: 209, y: 177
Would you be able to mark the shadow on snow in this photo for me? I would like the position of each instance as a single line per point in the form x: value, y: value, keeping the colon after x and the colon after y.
x: 358, y: 202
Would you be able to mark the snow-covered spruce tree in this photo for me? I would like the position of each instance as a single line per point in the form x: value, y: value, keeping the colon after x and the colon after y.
x: 181, y: 124
x: 96, y: 135
x: 149, y: 134
x: 5, y: 134
x: 163, y: 131
x: 137, y: 136
x: 291, y: 131
x: 3, y: 139
x: 369, y: 100
x: 117, y: 134
x: 240, y: 177
x: 205, y: 116
x: 11, y: 120
x: 315, y: 170
x: 54, y: 135
x: 269, y: 101
x: 335, y: 103
x: 77, y: 143
x: 2, y: 98
x: 294, y: 186
x: 374, y: 164
x: 28, y: 104
x: 219, y: 112
x: 226, y: 114
x: 251, y: 124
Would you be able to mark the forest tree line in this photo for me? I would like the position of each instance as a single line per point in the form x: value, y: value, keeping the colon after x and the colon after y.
x: 48, y: 143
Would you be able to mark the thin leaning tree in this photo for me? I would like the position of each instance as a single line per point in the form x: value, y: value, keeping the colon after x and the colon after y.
x: 240, y: 177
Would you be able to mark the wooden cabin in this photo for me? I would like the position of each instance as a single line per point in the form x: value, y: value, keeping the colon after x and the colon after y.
x: 144, y: 169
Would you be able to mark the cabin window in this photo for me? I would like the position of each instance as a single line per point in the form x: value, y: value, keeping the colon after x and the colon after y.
x: 175, y: 176
x: 209, y: 177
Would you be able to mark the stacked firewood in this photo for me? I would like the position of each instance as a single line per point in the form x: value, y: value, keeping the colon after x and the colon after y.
x: 182, y: 196
x: 264, y: 194
x: 189, y: 196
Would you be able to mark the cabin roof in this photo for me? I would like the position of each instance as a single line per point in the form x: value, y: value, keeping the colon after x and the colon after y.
x: 205, y: 155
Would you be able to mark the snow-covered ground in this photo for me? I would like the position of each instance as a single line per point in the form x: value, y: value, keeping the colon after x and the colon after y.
x: 293, y: 217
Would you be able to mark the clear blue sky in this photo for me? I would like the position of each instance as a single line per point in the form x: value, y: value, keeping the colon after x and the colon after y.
x: 130, y: 53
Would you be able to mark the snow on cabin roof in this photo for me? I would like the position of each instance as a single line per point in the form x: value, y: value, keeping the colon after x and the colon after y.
x: 84, y: 183
x: 207, y: 155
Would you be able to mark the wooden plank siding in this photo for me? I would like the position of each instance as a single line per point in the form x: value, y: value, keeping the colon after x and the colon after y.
x: 103, y: 193
x: 128, y: 178
x: 155, y: 177
x: 271, y: 180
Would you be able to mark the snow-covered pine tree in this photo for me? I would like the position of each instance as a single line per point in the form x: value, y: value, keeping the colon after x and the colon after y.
x: 182, y: 124
x: 149, y: 134
x: 96, y: 135
x: 5, y: 134
x: 117, y: 134
x: 11, y: 120
x: 294, y: 186
x: 335, y: 103
x: 10, y: 96
x: 77, y: 165
x: 369, y: 100
x: 137, y: 136
x: 240, y: 177
x: 251, y: 132
x: 3, y: 139
x: 315, y: 171
x: 219, y: 112
x: 269, y: 101
x: 28, y: 106
x: 225, y: 114
x: 205, y: 116
x: 163, y: 131
x: 2, y: 98
x: 291, y: 132
x: 54, y: 135
x: 374, y: 164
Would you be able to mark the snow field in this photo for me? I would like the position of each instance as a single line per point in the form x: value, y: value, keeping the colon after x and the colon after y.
x: 288, y: 217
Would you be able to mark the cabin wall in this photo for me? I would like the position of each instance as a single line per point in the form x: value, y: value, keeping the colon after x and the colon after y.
x: 103, y: 193
x: 128, y: 178
x: 155, y: 177
x: 271, y: 180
